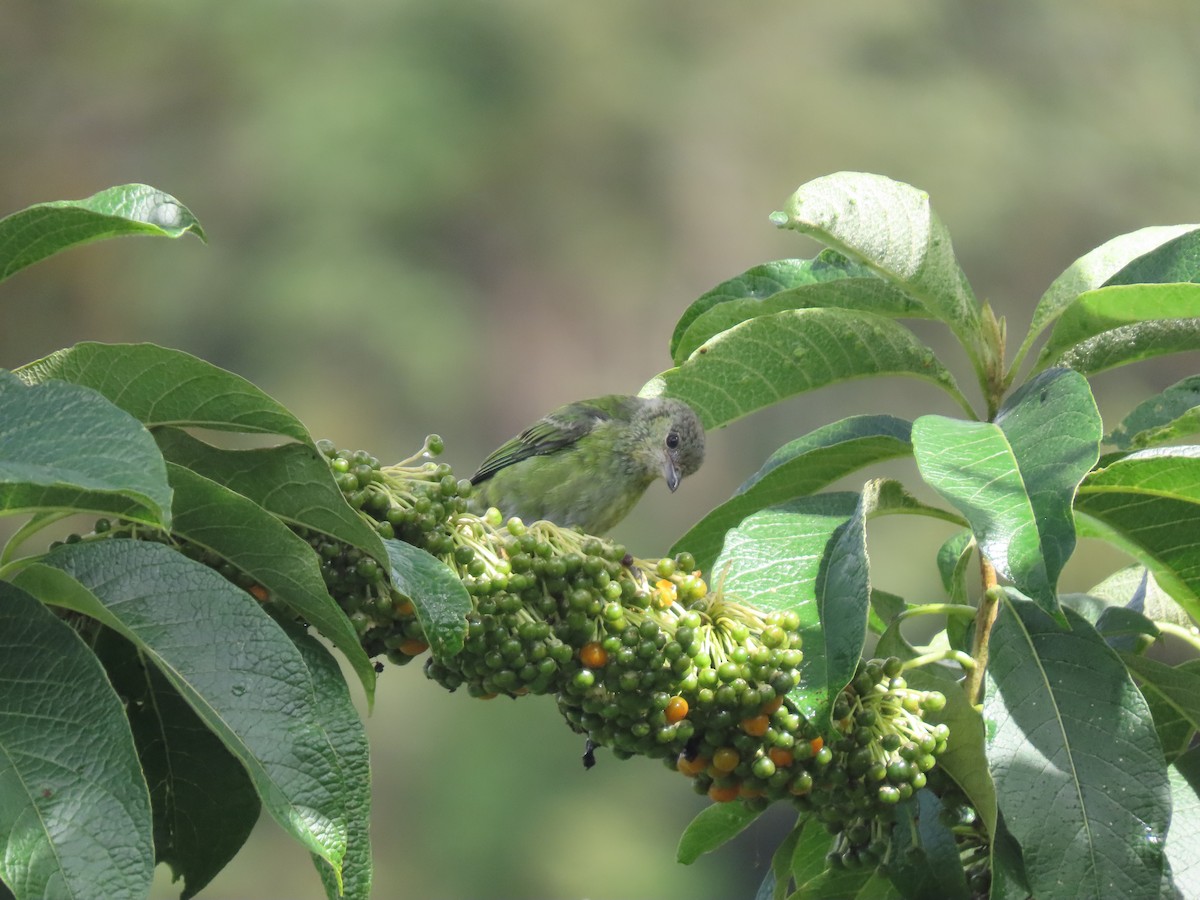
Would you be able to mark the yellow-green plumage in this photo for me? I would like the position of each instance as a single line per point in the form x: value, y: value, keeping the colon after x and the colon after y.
x: 587, y: 463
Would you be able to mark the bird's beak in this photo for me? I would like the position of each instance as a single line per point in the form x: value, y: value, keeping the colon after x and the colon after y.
x: 671, y: 473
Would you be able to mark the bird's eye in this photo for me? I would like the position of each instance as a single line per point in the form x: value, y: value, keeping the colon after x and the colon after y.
x: 672, y: 440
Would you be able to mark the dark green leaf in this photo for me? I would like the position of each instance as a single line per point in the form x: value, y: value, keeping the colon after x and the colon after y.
x: 42, y: 230
x: 159, y: 386
x: 714, y: 826
x: 204, y: 802
x: 1183, y: 840
x: 243, y: 534
x: 1174, y: 712
x: 780, y: 874
x: 935, y: 869
x: 1176, y: 685
x: 1174, y: 261
x: 770, y: 358
x: 1093, y: 270
x: 66, y: 447
x: 953, y: 560
x: 891, y: 227
x: 292, y: 482
x: 75, y: 814
x: 1079, y: 772
x: 808, y: 860
x: 226, y: 657
x: 798, y: 469
x: 1164, y: 418
x: 885, y: 607
x: 1133, y: 343
x: 441, y: 601
x: 1135, y: 587
x: 1014, y: 479
x: 348, y: 739
x: 1008, y: 868
x: 849, y: 884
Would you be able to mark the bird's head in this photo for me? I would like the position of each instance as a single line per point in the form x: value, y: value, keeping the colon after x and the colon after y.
x: 669, y: 439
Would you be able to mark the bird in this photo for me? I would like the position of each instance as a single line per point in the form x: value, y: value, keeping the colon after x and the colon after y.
x: 587, y: 463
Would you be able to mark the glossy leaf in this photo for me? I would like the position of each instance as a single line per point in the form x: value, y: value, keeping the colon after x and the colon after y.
x: 1133, y: 343
x: 226, y: 657
x: 204, y: 803
x: 769, y: 358
x: 1094, y: 269
x: 712, y: 827
x: 1014, y: 479
x: 39, y: 231
x: 1176, y: 260
x: 160, y: 386
x: 891, y: 227
x: 1163, y: 418
x: 797, y: 469
x: 808, y: 859
x: 1178, y: 687
x: 441, y: 601
x: 75, y: 814
x: 1183, y: 840
x: 245, y: 535
x: 1079, y: 773
x: 66, y: 447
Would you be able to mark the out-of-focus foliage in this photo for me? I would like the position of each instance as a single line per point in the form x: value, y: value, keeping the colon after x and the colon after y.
x: 516, y: 201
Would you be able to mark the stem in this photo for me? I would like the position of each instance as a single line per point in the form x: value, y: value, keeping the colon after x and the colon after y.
x: 1188, y: 635
x: 985, y: 617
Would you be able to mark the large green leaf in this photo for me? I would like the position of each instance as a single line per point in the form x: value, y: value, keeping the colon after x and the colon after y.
x: 891, y: 227
x: 160, y: 386
x: 1176, y: 260
x: 1161, y: 419
x: 1174, y: 721
x: 934, y: 869
x: 1133, y: 343
x: 292, y: 482
x: 348, y: 740
x: 42, y: 230
x: 1014, y: 479
x: 75, y: 817
x: 712, y: 827
x: 1079, y: 773
x: 829, y: 280
x: 67, y: 447
x: 1173, y: 692
x: 437, y: 593
x: 1148, y: 504
x: 1096, y: 268
x: 242, y: 533
x: 770, y: 358
x: 227, y: 658
x: 1183, y: 840
x: 1086, y: 334
x: 204, y: 803
x: 797, y: 469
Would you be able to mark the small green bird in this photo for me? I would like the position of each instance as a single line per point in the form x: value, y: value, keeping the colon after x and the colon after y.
x: 587, y: 463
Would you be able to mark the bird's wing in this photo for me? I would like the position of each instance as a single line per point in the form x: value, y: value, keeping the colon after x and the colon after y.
x: 551, y: 433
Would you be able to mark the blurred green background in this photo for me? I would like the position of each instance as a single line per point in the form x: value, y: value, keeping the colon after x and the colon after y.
x: 454, y: 216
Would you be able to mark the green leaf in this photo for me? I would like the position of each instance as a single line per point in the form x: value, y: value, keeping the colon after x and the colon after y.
x: 1079, y: 772
x: 1164, y: 418
x: 159, y: 386
x: 1176, y: 686
x: 232, y: 664
x: 1148, y: 504
x: 953, y: 561
x: 1175, y: 730
x: 75, y: 814
x: 243, y: 534
x: 714, y: 826
x: 833, y: 281
x: 44, y: 229
x: 66, y: 447
x: 808, y: 860
x: 769, y: 358
x: 348, y: 740
x: 781, y: 559
x: 780, y: 873
x: 1094, y: 269
x: 797, y: 469
x: 1176, y: 260
x: 204, y: 802
x: 891, y: 227
x: 1014, y: 479
x: 936, y: 871
x: 1135, y: 587
x: 292, y: 482
x: 1183, y: 840
x: 1089, y: 333
x: 437, y: 593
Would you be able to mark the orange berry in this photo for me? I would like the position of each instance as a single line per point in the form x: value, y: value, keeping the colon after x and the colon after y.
x: 413, y: 647
x: 817, y: 743
x: 677, y: 708
x: 691, y: 767
x: 593, y: 655
x: 772, y: 706
x: 726, y: 759
x: 726, y: 794
x: 404, y: 608
x: 259, y: 593
x: 747, y: 792
x: 781, y: 757
x: 756, y: 726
